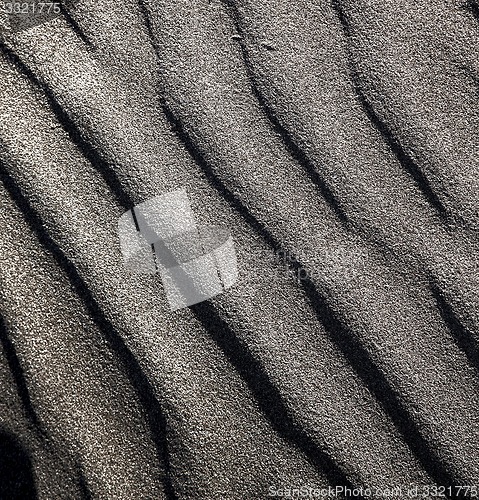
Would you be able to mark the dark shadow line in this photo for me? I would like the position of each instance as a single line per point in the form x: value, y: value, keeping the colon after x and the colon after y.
x: 266, y: 394
x: 135, y: 219
x: 340, y: 335
x: 83, y: 487
x: 71, y: 21
x: 463, y: 338
x: 145, y: 392
x: 291, y: 145
x: 88, y: 151
x: 377, y: 383
x: 154, y: 253
x: 149, y: 28
x: 473, y: 7
x: 18, y: 375
x: 470, y: 73
x: 404, y: 159
x: 395, y: 146
x: 177, y: 127
x: 17, y: 477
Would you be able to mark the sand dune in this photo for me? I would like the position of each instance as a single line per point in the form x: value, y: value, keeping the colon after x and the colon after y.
x: 337, y: 141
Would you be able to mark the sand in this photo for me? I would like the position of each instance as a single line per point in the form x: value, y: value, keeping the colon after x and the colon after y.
x: 337, y: 142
